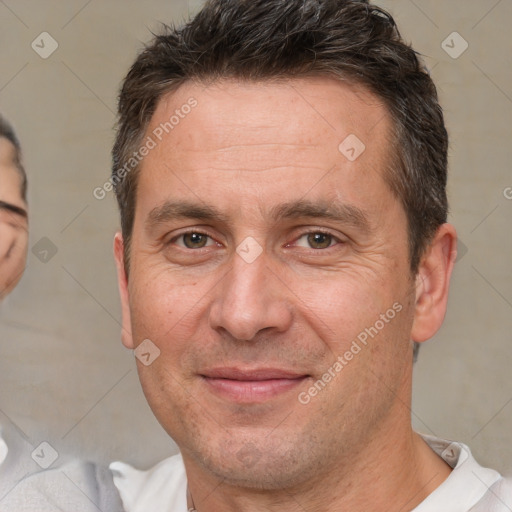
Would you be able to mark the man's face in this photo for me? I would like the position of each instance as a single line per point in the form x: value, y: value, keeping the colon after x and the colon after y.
x: 13, y: 221
x: 261, y: 251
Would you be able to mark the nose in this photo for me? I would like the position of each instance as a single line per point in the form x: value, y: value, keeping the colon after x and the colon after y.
x: 251, y: 298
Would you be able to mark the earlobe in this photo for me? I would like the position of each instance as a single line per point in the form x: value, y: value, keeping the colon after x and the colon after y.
x: 126, y: 328
x: 433, y: 282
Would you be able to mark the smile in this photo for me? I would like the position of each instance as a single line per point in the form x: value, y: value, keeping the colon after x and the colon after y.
x: 251, y: 386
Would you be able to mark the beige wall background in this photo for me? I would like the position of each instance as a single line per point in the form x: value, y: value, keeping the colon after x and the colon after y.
x: 64, y: 376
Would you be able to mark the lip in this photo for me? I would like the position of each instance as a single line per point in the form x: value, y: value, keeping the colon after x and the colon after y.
x: 251, y: 385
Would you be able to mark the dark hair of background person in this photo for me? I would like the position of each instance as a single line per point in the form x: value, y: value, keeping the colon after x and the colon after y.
x: 7, y: 132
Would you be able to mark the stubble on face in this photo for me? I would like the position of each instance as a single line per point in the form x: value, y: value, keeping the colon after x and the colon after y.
x: 248, y: 151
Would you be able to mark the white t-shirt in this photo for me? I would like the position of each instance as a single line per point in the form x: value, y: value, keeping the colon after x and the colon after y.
x: 469, y: 488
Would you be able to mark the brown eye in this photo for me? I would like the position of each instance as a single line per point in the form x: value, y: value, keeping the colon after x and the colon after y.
x: 195, y: 240
x: 319, y: 240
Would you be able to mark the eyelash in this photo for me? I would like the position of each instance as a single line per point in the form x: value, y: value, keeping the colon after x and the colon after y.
x: 335, y: 239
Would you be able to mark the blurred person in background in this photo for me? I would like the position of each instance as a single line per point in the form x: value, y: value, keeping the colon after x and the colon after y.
x: 74, y: 487
x: 13, y: 210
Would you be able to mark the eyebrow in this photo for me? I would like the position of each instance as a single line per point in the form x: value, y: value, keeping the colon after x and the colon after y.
x: 172, y: 210
x: 14, y: 209
x: 344, y: 213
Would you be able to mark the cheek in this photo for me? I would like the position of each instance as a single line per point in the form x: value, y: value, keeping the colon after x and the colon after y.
x: 162, y: 307
x: 342, y: 304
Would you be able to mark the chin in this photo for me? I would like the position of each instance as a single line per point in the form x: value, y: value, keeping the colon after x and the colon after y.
x: 259, y: 465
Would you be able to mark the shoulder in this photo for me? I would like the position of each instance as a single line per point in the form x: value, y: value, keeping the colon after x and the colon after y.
x: 78, y: 486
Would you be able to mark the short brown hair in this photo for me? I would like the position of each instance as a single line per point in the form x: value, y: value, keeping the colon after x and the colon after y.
x: 263, y: 39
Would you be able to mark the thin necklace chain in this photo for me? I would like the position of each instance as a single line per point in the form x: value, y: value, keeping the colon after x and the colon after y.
x: 190, y: 502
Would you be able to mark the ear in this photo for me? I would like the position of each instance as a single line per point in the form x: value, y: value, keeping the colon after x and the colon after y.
x: 122, y: 280
x: 433, y: 282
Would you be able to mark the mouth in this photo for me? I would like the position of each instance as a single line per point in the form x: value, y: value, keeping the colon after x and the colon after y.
x: 251, y: 386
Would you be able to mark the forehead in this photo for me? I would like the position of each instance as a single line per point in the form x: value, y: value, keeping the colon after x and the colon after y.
x: 7, y: 152
x: 248, y: 109
x: 250, y: 129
